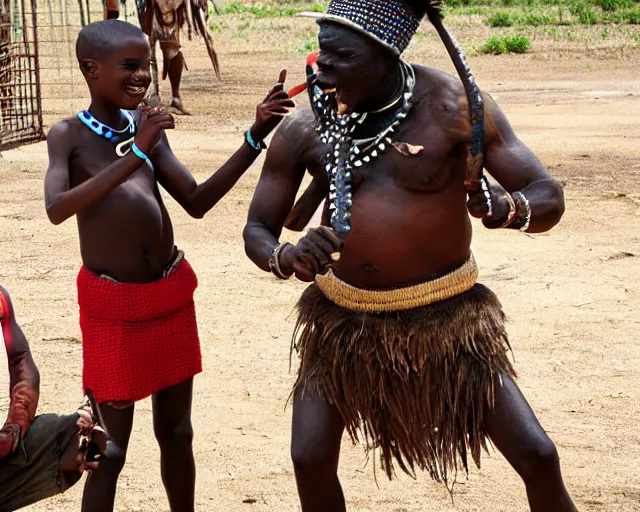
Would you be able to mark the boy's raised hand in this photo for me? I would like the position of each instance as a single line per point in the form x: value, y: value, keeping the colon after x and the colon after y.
x: 152, y: 123
x: 270, y: 112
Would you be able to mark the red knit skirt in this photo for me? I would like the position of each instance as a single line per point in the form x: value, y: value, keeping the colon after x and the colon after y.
x: 138, y: 339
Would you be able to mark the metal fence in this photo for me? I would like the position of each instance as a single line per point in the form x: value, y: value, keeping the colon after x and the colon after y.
x: 20, y: 98
x: 40, y: 82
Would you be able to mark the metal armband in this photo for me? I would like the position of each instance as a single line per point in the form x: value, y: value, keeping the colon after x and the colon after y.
x: 522, y: 218
x: 274, y: 261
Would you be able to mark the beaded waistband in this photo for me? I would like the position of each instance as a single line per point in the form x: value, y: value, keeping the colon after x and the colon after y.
x: 399, y: 299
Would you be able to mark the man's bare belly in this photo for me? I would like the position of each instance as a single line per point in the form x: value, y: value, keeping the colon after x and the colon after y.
x: 400, y: 237
x: 128, y: 236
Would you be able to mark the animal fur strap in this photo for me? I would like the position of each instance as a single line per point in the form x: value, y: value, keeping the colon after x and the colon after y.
x: 475, y: 157
x: 400, y: 299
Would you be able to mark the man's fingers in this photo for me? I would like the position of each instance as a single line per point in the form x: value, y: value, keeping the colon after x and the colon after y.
x: 283, y: 77
x: 321, y: 242
x: 304, y: 257
x: 303, y: 272
x: 330, y: 235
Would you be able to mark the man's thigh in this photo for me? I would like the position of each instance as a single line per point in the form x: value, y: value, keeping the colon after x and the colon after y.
x: 32, y: 473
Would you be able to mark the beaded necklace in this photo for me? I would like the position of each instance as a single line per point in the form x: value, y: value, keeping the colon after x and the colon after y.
x: 346, y: 153
x: 122, y: 138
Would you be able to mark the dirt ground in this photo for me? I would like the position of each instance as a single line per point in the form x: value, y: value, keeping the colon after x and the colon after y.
x: 572, y: 296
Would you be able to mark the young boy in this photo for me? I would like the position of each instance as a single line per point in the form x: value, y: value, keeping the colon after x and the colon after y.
x: 40, y: 456
x: 135, y: 289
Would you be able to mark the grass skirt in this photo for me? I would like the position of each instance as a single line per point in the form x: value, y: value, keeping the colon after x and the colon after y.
x: 413, y: 384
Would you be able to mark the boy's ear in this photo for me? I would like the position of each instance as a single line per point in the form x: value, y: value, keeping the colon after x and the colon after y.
x: 89, y: 68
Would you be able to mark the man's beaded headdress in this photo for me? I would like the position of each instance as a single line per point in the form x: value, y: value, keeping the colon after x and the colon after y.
x: 389, y: 22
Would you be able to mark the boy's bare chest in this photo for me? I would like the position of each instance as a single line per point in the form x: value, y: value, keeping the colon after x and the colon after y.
x: 93, y: 156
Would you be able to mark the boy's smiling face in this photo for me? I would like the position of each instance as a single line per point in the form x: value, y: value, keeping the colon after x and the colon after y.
x: 121, y: 76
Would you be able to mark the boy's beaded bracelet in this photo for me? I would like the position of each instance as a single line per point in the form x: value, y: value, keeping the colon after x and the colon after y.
x: 258, y: 146
x: 136, y: 151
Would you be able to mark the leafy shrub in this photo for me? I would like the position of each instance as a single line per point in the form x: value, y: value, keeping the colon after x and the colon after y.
x: 500, y: 19
x: 500, y: 45
x: 613, y: 5
x: 517, y: 44
x: 536, y: 19
x: 585, y: 14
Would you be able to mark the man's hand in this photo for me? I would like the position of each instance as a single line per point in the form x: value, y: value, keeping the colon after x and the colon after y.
x: 312, y: 255
x: 479, y: 208
x: 153, y: 123
x: 270, y: 112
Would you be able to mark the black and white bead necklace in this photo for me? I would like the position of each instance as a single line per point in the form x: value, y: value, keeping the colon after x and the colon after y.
x: 347, y: 153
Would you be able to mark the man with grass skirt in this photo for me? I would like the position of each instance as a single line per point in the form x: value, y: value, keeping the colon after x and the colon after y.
x: 398, y: 342
x: 164, y: 21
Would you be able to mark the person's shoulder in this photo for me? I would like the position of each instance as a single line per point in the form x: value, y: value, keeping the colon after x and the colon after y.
x: 64, y: 130
x: 439, y: 82
x: 300, y: 121
x: 297, y: 129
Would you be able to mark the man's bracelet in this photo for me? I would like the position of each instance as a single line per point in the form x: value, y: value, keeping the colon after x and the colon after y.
x: 513, y: 211
x: 522, y: 219
x: 274, y: 261
x: 484, y: 183
x: 258, y: 146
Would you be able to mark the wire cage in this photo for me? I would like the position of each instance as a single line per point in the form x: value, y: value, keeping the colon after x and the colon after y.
x: 40, y: 82
x: 20, y: 107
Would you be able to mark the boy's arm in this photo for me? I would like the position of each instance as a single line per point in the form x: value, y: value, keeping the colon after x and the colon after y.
x: 196, y: 199
x: 63, y: 202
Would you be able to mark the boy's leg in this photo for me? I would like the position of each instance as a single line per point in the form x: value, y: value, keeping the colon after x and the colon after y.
x: 173, y: 430
x: 516, y: 432
x: 100, y: 488
x: 315, y: 450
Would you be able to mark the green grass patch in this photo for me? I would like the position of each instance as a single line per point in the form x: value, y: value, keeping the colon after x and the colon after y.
x: 500, y: 45
x: 536, y: 19
x: 271, y: 11
x: 613, y: 5
x: 308, y: 46
x: 584, y: 12
x: 500, y: 19
x: 626, y: 16
x: 466, y: 10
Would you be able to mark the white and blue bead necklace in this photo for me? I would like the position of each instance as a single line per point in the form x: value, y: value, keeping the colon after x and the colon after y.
x: 122, y: 138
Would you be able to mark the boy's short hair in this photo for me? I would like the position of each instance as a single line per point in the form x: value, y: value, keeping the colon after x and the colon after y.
x: 97, y: 38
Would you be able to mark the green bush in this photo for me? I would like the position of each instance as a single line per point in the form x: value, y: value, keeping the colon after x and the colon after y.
x: 500, y: 19
x: 500, y: 45
x: 613, y: 5
x: 585, y: 14
x: 517, y: 44
x: 535, y: 19
x: 261, y: 11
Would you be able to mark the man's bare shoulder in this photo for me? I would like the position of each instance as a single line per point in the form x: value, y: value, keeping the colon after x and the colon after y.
x: 297, y: 129
x: 440, y: 85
